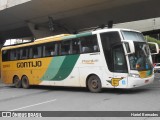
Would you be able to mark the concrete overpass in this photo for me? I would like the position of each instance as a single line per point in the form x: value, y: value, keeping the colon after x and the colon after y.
x: 147, y: 26
x: 23, y: 18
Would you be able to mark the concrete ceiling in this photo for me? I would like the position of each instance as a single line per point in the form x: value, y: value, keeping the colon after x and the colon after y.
x: 74, y: 14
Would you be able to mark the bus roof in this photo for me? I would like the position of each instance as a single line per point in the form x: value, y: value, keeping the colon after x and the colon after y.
x: 112, y: 29
x: 48, y: 39
x: 62, y: 37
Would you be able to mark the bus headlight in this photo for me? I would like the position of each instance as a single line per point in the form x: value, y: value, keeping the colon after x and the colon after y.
x: 134, y: 75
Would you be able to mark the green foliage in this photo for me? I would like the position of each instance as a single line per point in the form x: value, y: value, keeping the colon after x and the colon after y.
x: 151, y: 39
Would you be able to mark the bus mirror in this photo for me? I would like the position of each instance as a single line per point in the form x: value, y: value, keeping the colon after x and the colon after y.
x: 154, y: 48
x: 129, y: 47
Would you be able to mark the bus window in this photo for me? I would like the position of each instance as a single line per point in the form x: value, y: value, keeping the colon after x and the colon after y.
x: 89, y: 44
x: 13, y: 55
x: 65, y: 47
x: 35, y: 52
x: 119, y: 60
x: 24, y: 53
x: 75, y: 46
x: 49, y: 50
x: 5, y: 55
x: 18, y: 54
x: 109, y: 39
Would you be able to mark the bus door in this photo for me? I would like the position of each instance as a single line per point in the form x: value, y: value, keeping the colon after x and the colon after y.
x: 120, y: 69
x: 115, y: 58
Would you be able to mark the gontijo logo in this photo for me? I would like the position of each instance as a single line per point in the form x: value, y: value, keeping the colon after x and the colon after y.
x: 29, y: 64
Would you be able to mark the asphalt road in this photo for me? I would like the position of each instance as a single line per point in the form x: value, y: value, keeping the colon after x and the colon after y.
x: 79, y: 99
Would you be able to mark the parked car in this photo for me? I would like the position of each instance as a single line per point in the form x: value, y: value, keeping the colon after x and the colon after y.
x: 157, y: 67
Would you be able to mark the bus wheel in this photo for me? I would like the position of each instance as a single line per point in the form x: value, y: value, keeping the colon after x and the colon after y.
x: 94, y: 84
x: 17, y: 82
x: 25, y: 82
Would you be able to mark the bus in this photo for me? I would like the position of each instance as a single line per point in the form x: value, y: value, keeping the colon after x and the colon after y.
x: 105, y: 58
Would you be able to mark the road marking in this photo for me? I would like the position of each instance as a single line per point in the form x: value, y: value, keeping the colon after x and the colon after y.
x: 33, y: 105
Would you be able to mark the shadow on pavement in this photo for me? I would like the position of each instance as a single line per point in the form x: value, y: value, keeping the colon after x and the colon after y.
x: 80, y: 89
x: 154, y: 86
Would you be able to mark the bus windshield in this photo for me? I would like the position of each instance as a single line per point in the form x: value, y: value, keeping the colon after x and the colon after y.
x: 134, y: 36
x: 140, y: 59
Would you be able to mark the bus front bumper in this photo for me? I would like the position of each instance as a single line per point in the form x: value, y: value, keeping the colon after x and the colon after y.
x: 138, y: 82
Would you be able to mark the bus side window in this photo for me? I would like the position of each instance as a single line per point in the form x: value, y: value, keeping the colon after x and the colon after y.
x: 49, y: 50
x: 5, y: 55
x: 18, y: 54
x: 13, y: 55
x: 109, y: 39
x: 75, y: 46
x: 24, y: 53
x: 89, y: 44
x: 65, y: 47
x: 119, y: 61
x: 30, y: 53
x: 35, y: 52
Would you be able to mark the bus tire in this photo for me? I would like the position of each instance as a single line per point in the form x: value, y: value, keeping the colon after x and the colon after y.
x: 25, y: 82
x: 17, y: 82
x: 94, y: 84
